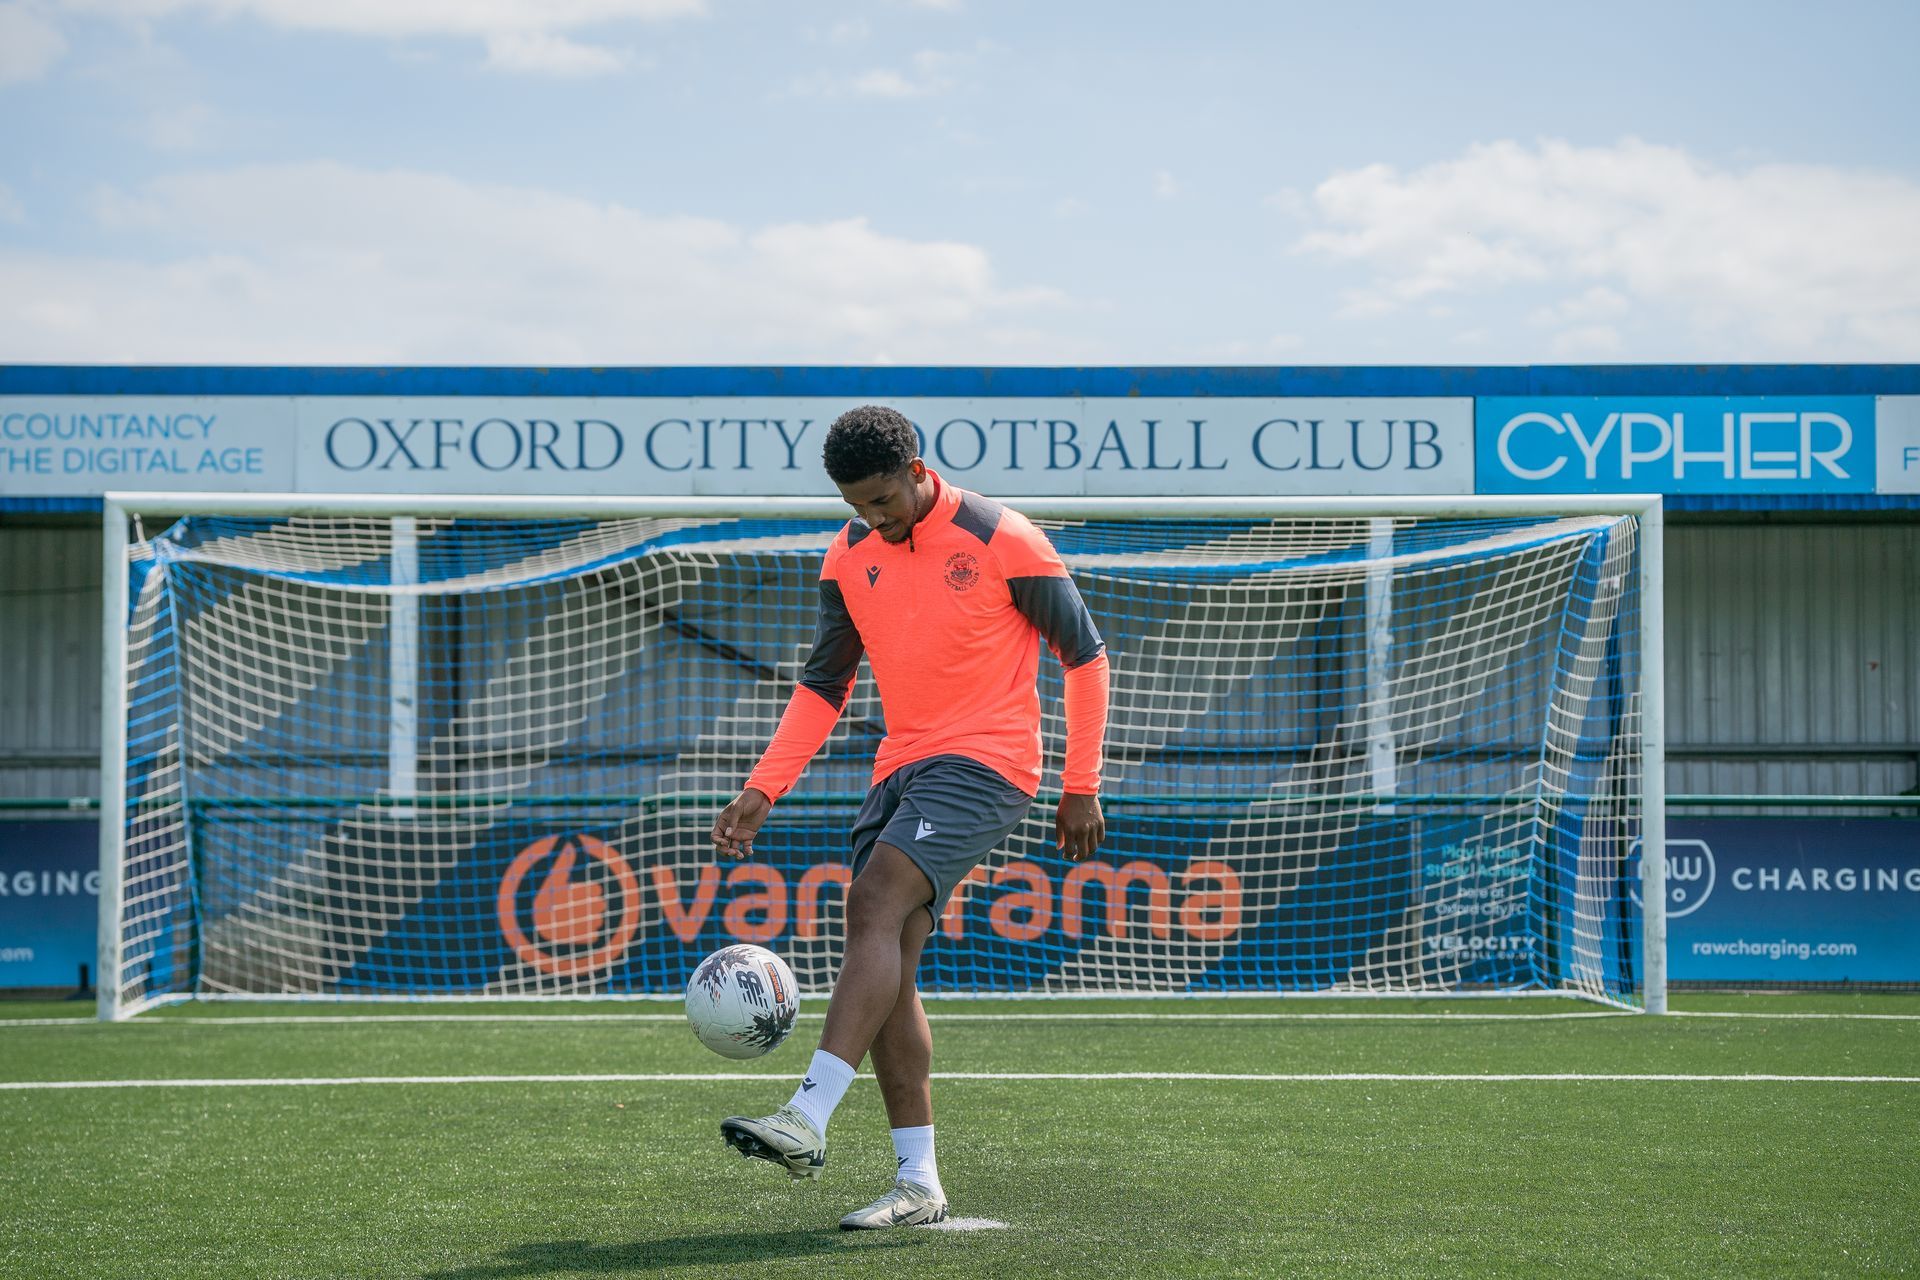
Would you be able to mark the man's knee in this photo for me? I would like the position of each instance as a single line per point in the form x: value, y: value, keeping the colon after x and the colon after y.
x: 888, y: 890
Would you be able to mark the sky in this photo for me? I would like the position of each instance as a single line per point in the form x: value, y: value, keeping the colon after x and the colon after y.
x: 1015, y: 182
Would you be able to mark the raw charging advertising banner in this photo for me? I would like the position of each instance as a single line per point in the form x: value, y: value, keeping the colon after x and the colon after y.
x: 1793, y: 900
x: 49, y: 901
x: 726, y: 445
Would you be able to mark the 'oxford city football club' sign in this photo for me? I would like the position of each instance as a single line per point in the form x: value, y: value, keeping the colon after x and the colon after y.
x: 727, y: 445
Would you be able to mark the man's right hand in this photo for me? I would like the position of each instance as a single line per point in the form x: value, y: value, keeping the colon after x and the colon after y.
x: 739, y: 823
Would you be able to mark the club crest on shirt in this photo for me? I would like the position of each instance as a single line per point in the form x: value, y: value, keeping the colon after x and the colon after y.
x: 963, y: 571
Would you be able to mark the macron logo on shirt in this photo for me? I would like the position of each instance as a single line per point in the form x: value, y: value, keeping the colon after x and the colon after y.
x: 926, y: 829
x: 873, y: 574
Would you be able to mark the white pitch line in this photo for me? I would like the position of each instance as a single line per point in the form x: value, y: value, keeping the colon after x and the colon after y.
x: 1132, y: 1016
x: 348, y: 1019
x: 374, y: 1020
x: 259, y: 1082
x: 1852, y: 1017
x: 1320, y: 1077
x: 1418, y: 1077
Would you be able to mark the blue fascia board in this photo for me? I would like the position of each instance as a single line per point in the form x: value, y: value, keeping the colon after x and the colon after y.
x: 812, y: 380
x: 1722, y: 502
x: 1675, y: 503
x: 20, y: 504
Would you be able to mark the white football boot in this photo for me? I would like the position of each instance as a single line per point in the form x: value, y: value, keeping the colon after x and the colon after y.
x: 908, y: 1205
x: 786, y: 1137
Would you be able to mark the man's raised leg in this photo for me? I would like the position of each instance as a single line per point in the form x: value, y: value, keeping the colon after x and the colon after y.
x: 887, y: 892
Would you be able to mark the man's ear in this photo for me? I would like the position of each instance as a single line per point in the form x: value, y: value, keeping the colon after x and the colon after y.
x: 918, y: 470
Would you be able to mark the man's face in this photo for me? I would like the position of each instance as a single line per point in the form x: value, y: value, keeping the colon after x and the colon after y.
x: 886, y: 503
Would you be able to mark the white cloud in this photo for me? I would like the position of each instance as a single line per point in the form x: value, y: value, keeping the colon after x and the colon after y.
x: 329, y: 263
x: 551, y: 55
x: 883, y: 83
x: 851, y: 31
x: 1275, y: 348
x: 930, y: 72
x: 1774, y: 261
x: 183, y: 128
x: 29, y: 44
x: 1586, y: 343
x: 520, y: 35
x: 1596, y: 304
x: 411, y: 17
x: 1289, y: 202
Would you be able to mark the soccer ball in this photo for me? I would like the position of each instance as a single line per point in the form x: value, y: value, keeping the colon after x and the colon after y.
x: 741, y: 1001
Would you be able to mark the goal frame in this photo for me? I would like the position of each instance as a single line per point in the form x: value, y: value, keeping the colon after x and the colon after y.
x: 120, y: 508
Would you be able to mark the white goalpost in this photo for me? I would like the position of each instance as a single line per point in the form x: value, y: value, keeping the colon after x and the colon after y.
x: 463, y: 747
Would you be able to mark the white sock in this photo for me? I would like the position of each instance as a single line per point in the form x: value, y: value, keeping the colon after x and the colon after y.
x: 818, y: 1094
x: 914, y: 1150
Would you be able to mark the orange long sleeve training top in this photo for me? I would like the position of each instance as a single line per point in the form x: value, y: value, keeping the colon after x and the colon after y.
x: 950, y: 622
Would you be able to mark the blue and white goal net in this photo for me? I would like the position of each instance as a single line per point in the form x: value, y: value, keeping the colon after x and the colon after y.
x: 423, y: 757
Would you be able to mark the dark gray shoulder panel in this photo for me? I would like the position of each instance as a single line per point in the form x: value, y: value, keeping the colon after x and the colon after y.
x: 1053, y: 605
x: 978, y: 516
x: 837, y: 647
x: 856, y: 531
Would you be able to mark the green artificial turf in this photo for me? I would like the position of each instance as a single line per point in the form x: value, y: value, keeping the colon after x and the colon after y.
x: 471, y: 1181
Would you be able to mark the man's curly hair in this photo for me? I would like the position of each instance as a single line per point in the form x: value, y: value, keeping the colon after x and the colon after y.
x: 872, y: 440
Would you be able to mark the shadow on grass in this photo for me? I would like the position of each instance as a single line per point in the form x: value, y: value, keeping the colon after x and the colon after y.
x: 744, y: 1248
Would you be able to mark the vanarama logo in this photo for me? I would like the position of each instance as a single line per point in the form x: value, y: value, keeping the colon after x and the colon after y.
x: 566, y: 914
x: 583, y: 911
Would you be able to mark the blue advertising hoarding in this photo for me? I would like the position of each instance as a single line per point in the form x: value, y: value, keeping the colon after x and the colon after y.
x: 49, y: 901
x: 1715, y: 437
x: 1793, y: 900
x: 1757, y: 445
x: 1787, y: 900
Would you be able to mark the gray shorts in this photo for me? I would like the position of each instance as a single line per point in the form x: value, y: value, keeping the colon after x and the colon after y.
x: 946, y: 813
